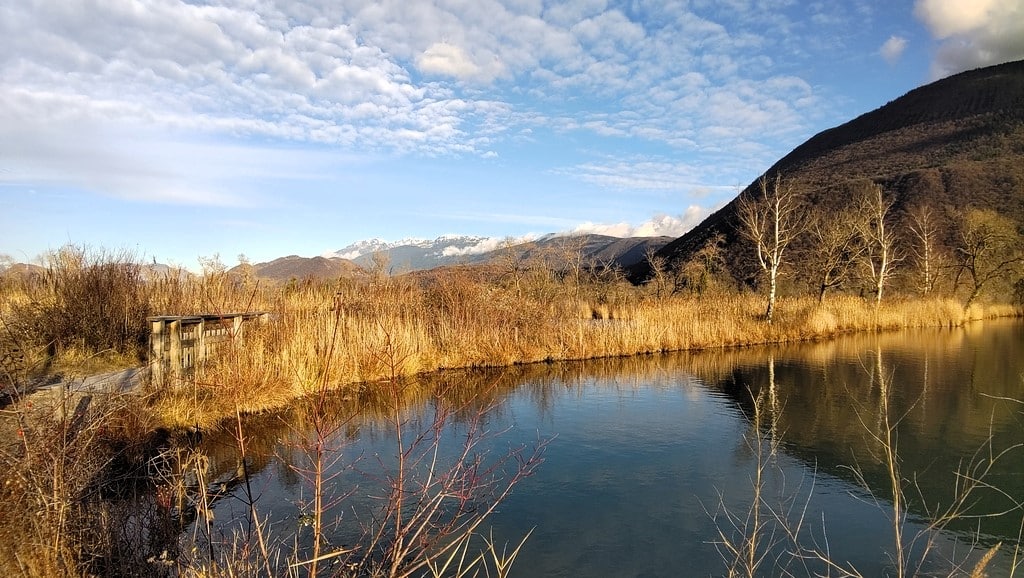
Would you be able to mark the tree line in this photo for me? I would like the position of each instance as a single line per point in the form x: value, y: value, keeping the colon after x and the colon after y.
x: 867, y: 243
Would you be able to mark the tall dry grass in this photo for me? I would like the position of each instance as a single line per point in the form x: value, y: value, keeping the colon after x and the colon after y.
x: 349, y: 334
x: 93, y: 305
x: 62, y: 456
x: 345, y: 334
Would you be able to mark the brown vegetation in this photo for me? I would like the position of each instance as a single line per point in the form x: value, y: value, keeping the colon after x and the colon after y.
x: 344, y: 333
x: 368, y: 336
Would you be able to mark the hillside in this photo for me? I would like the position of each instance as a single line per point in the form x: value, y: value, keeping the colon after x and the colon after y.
x: 957, y: 142
x: 594, y: 250
x: 299, y: 268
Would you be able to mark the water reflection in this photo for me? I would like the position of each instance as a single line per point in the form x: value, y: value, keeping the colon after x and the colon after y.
x: 647, y: 446
x: 952, y: 396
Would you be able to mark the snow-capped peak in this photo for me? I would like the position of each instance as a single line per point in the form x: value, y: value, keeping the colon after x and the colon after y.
x: 368, y: 247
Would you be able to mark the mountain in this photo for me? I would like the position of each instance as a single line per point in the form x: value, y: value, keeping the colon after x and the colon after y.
x: 956, y: 142
x: 410, y: 255
x: 414, y: 254
x: 295, y: 267
x: 22, y: 272
x: 158, y: 271
x: 594, y: 250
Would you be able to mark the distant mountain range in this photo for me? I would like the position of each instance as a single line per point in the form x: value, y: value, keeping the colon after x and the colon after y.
x: 409, y: 255
x: 953, y: 143
x: 416, y: 254
x: 295, y: 267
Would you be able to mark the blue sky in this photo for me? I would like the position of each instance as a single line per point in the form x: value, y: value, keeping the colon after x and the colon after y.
x: 273, y: 127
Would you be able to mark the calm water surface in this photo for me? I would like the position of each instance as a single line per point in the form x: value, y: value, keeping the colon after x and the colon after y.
x: 647, y: 456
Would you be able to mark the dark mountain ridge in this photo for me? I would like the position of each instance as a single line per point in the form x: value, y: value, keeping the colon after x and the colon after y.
x: 300, y: 268
x: 956, y: 142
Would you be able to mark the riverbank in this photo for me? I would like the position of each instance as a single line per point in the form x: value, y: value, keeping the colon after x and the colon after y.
x: 321, y: 340
x: 316, y: 344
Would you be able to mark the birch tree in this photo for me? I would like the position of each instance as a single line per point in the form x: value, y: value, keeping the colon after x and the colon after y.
x: 771, y: 218
x: 924, y: 232
x: 880, y: 254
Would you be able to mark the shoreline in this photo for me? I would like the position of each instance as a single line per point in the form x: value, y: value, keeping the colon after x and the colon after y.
x: 199, y: 404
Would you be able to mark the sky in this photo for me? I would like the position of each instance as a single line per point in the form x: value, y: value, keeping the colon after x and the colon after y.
x: 185, y: 129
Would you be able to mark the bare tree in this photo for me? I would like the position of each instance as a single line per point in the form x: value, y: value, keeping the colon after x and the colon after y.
x: 698, y: 273
x: 989, y: 248
x: 572, y: 249
x: 880, y: 254
x: 771, y: 218
x: 924, y: 230
x: 381, y: 265
x: 513, y: 264
x: 835, y: 249
x: 659, y: 279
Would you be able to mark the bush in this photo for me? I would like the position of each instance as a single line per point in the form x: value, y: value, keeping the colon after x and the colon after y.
x: 95, y: 301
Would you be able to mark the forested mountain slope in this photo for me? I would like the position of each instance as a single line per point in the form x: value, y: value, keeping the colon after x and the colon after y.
x: 955, y: 143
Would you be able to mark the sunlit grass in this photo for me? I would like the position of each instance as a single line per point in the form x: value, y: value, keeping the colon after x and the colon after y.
x: 342, y: 333
x: 351, y: 339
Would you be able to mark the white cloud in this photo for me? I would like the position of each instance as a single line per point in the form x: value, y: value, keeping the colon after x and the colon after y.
x: 137, y: 163
x: 945, y: 18
x: 226, y: 69
x: 447, y: 59
x: 355, y: 254
x: 487, y: 245
x: 339, y: 73
x: 973, y: 34
x: 893, y: 48
x: 661, y: 225
x: 425, y: 77
x: 647, y: 174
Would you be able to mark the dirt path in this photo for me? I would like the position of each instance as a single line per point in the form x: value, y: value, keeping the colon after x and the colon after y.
x: 112, y: 382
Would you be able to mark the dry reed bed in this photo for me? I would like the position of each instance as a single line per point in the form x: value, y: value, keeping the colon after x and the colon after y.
x: 353, y: 335
x: 343, y: 333
x: 388, y: 330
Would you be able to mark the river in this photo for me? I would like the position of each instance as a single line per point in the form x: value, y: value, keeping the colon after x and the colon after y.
x: 650, y: 463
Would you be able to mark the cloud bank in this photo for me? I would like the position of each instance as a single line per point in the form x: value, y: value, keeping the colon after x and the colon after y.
x: 426, y: 77
x: 661, y: 225
x: 973, y: 34
x: 657, y: 226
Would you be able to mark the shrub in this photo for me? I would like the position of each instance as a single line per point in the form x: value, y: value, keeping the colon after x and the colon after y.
x: 92, y: 300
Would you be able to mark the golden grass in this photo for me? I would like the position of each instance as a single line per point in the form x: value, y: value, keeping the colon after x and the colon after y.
x: 56, y: 451
x: 322, y: 337
x: 355, y: 335
x: 344, y: 333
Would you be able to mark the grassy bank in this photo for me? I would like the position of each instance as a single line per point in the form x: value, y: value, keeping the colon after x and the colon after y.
x: 64, y: 460
x: 87, y: 312
x: 390, y: 329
